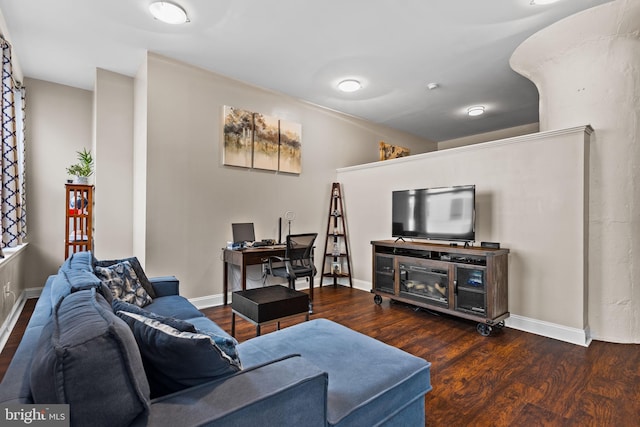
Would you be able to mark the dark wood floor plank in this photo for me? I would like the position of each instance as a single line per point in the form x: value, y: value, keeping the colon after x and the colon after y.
x: 510, y: 378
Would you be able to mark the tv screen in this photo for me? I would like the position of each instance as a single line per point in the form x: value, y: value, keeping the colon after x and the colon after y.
x: 446, y: 213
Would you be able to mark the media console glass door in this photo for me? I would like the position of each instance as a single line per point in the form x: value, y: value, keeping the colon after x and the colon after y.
x: 384, y: 273
x: 471, y: 295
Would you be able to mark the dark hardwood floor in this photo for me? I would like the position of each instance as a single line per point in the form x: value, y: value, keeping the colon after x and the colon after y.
x: 510, y: 378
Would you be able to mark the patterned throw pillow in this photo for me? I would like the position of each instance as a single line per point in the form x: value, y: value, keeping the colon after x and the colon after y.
x: 142, y: 277
x: 124, y: 283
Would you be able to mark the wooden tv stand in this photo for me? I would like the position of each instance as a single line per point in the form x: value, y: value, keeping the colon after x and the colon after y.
x: 468, y: 282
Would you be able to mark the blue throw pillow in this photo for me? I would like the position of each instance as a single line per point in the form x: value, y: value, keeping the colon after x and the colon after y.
x: 124, y: 283
x: 88, y: 358
x: 175, y: 360
x: 226, y: 344
x: 180, y: 325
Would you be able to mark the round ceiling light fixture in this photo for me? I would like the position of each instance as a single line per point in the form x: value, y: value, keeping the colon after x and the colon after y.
x: 539, y: 2
x: 349, y: 85
x: 476, y: 110
x: 169, y: 13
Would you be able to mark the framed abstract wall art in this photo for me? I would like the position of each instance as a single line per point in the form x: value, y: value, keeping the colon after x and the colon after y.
x: 255, y: 140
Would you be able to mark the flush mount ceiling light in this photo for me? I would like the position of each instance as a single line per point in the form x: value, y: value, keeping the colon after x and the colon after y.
x: 349, y: 85
x: 476, y: 110
x: 539, y: 2
x: 169, y: 13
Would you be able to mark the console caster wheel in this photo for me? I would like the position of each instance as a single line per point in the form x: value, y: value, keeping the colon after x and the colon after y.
x: 484, y: 330
x: 500, y: 324
x: 377, y: 299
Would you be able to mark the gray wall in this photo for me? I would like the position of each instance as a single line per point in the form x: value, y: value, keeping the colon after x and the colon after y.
x: 167, y: 198
x: 192, y: 199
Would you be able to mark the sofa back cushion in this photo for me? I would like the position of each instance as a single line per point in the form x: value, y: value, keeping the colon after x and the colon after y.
x: 76, y: 273
x: 177, y: 360
x: 88, y: 358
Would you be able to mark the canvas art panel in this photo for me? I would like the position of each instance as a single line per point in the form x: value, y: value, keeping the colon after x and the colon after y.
x: 238, y: 137
x: 266, y: 142
x: 290, y: 147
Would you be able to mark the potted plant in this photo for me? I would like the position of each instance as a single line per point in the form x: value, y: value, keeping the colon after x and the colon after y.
x: 82, y: 170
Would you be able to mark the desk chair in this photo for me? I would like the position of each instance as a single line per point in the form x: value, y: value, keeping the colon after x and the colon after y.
x: 297, y: 262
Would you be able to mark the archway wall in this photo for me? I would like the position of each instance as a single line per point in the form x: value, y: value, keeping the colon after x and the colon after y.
x: 587, y: 71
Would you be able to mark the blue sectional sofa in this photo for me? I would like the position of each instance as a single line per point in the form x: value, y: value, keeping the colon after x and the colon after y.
x: 78, y: 350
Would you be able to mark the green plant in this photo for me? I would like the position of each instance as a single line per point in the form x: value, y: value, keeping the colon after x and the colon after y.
x: 85, y: 165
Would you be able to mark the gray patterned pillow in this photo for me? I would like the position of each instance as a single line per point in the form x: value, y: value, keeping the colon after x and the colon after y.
x: 124, y: 283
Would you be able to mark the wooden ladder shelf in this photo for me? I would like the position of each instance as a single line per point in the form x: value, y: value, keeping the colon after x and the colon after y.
x: 337, y: 261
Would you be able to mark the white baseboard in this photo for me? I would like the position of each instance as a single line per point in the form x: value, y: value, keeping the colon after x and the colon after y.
x: 216, y: 300
x: 11, y: 320
x: 362, y: 285
x: 550, y: 330
x: 208, y: 301
x: 539, y: 327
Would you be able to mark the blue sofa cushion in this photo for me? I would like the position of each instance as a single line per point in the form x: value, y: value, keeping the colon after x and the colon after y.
x: 124, y: 283
x: 358, y: 394
x: 82, y: 331
x: 180, y: 325
x: 177, y: 360
x: 174, y: 306
x: 135, y: 264
x: 76, y: 273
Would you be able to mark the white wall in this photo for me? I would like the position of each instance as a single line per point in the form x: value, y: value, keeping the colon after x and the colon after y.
x: 489, y: 136
x: 192, y: 199
x: 530, y: 197
x: 587, y: 70
x: 58, y: 123
x: 113, y: 153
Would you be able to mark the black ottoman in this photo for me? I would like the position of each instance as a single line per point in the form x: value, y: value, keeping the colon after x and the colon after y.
x: 266, y: 305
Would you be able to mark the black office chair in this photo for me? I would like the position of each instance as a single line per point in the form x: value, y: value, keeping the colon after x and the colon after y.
x: 297, y: 262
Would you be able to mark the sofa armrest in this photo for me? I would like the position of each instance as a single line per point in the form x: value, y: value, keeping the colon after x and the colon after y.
x: 287, y: 392
x: 165, y: 285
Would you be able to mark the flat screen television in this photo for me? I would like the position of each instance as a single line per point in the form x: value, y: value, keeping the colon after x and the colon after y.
x: 446, y: 213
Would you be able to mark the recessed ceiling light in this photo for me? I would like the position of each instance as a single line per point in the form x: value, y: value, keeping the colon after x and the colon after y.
x: 169, y: 13
x: 475, y: 110
x: 349, y: 85
x: 539, y: 2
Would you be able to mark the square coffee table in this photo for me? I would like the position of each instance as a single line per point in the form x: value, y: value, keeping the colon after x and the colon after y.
x: 267, y: 305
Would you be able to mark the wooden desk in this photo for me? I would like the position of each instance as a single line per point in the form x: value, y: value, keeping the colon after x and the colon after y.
x: 244, y: 257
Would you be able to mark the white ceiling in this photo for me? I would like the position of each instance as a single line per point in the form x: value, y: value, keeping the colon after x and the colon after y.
x: 303, y: 49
